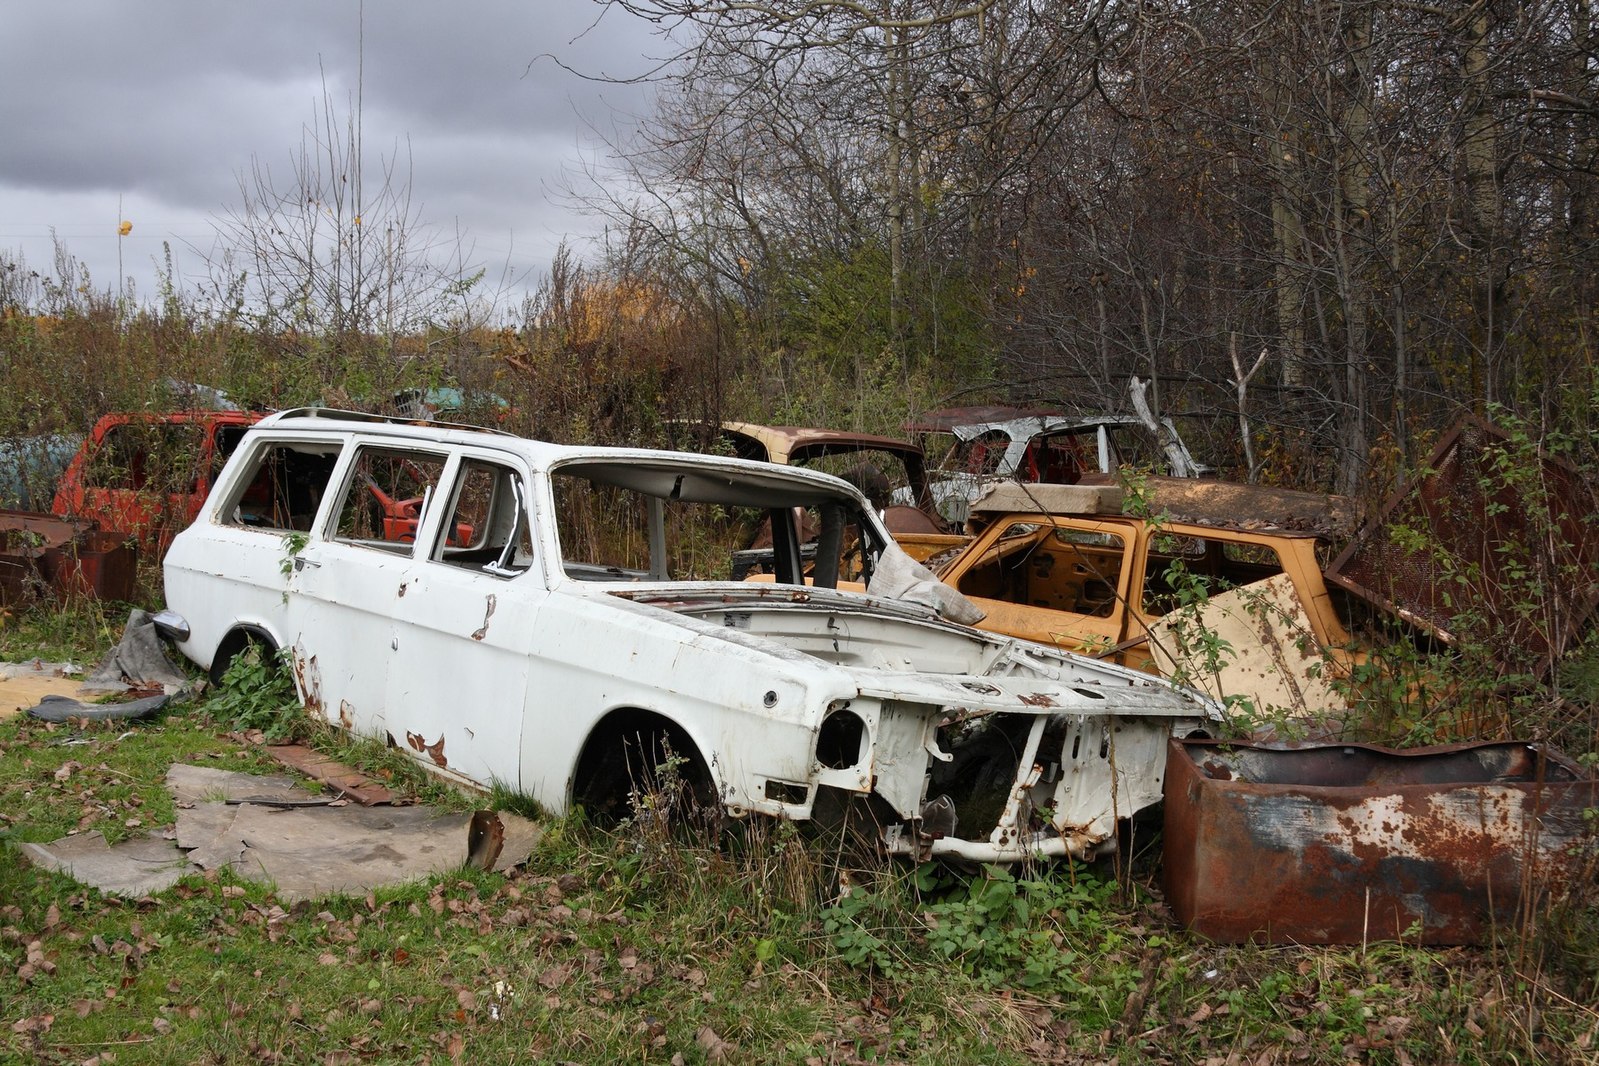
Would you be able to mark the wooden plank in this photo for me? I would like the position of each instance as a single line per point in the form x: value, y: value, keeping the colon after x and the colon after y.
x: 345, y: 780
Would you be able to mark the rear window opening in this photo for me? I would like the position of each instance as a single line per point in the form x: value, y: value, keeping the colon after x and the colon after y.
x: 285, y: 489
x: 663, y: 522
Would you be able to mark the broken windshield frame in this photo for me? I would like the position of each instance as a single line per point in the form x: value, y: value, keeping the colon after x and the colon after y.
x: 654, y: 521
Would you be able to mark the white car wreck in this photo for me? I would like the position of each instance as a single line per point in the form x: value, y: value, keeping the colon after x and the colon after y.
x: 552, y: 619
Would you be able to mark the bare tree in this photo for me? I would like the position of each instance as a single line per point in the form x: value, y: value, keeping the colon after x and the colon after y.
x: 330, y: 253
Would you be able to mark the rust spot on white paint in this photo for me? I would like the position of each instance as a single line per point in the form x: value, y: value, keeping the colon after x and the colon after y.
x: 488, y: 612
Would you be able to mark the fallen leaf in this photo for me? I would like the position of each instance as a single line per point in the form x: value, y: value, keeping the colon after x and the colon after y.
x: 716, y: 1049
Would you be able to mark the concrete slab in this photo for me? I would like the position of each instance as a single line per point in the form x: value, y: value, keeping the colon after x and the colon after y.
x: 267, y: 828
x: 141, y: 866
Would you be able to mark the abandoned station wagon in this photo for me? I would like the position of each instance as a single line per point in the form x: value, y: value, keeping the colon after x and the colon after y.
x: 558, y: 617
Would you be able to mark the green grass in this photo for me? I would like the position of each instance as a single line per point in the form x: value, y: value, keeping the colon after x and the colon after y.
x: 636, y: 946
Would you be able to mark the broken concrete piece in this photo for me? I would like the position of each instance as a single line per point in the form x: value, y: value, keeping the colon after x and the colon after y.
x: 267, y: 828
x: 207, y: 784
x: 319, y: 851
x: 140, y: 866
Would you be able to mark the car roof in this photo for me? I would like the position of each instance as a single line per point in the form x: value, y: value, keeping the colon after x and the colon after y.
x: 712, y: 478
x: 946, y: 419
x: 781, y: 442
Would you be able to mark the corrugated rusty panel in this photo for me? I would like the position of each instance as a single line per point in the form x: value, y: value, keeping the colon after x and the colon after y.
x: 1485, y: 558
x: 1341, y: 844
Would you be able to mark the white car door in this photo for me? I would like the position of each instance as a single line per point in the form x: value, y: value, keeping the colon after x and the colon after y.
x: 465, y: 620
x: 347, y: 580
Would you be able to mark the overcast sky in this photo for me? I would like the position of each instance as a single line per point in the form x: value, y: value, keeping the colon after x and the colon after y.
x: 151, y: 111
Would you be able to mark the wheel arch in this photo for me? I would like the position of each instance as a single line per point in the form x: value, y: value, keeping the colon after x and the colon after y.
x: 627, y: 743
x: 241, y: 636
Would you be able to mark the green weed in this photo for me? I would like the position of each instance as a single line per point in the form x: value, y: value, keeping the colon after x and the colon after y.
x: 257, y: 693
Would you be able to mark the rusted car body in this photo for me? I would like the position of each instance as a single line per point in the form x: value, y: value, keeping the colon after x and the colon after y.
x: 1061, y: 564
x: 1500, y: 532
x: 994, y: 443
x: 879, y: 466
x: 1348, y: 843
x: 147, y: 474
x: 583, y: 628
x: 892, y: 473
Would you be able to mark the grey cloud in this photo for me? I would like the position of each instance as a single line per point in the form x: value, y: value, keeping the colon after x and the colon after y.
x: 165, y: 104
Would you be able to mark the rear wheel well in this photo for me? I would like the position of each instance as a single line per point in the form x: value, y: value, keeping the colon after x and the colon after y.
x: 632, y: 751
x: 238, y: 640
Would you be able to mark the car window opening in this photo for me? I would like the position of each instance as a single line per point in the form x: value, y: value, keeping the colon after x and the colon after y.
x: 617, y: 523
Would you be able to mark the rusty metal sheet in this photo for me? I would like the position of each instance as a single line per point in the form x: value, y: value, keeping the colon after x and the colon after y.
x: 25, y: 538
x: 68, y: 556
x: 341, y: 779
x: 1346, y: 843
x: 1237, y: 505
x: 1486, y: 555
x: 39, y: 532
x: 100, y: 564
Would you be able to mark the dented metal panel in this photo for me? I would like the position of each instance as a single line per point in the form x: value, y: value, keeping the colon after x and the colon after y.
x: 1348, y: 843
x: 1492, y: 535
x: 1256, y: 643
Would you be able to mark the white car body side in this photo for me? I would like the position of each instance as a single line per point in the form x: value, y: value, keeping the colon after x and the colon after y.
x: 511, y: 671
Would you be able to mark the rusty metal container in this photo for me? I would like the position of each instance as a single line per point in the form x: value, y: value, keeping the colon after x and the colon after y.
x: 41, y: 553
x: 100, y: 564
x: 25, y: 536
x: 1345, y: 843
